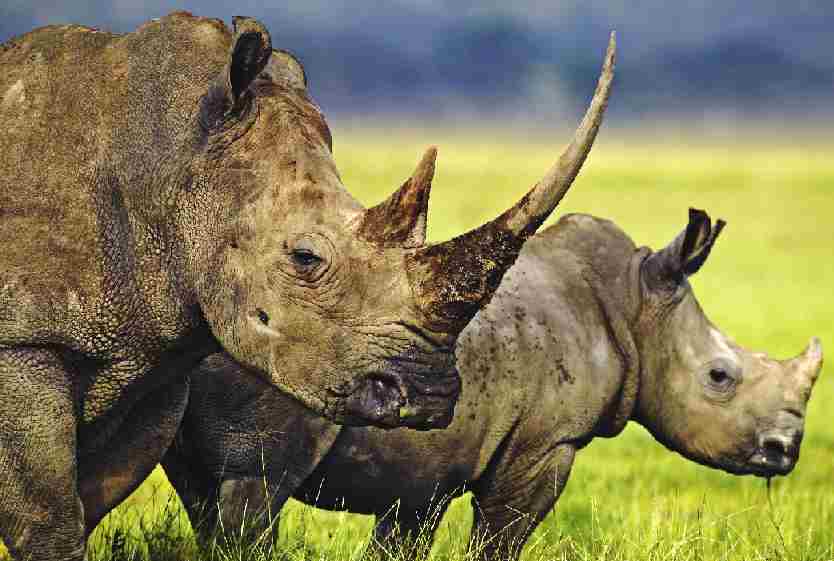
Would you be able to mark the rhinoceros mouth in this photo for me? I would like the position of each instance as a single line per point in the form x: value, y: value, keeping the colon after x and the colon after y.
x: 407, y: 392
x: 768, y: 461
x: 776, y: 452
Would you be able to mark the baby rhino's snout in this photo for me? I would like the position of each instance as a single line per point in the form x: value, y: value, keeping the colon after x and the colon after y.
x: 778, y: 450
x: 778, y: 443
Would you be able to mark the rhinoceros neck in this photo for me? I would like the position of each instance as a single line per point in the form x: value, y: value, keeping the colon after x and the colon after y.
x: 157, y: 146
x: 601, y: 263
x: 614, y: 291
x: 615, y: 309
x: 91, y: 207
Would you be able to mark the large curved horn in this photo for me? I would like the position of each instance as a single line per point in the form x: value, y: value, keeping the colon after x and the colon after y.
x: 401, y: 219
x: 454, y: 279
x: 528, y: 214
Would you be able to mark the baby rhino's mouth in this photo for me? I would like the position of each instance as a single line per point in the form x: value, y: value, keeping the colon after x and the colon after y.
x: 776, y: 454
x: 408, y: 392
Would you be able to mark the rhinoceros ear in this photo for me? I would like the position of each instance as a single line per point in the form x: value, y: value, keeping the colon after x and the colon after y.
x: 687, y: 252
x: 228, y: 96
x: 284, y: 68
x: 250, y: 53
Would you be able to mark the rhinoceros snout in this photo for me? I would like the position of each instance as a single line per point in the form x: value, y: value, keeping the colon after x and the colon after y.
x: 408, y: 392
x: 377, y: 400
x: 777, y: 452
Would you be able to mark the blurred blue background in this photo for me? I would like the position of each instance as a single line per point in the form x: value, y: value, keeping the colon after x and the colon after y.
x: 709, y: 62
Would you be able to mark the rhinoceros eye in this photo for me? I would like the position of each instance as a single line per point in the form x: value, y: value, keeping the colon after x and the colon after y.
x: 723, y: 377
x: 305, y: 258
x: 719, y: 377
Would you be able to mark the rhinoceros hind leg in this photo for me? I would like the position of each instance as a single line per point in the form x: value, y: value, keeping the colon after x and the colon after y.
x: 196, y: 488
x: 41, y: 515
x: 406, y: 533
x: 249, y: 510
x: 234, y: 508
x: 513, y: 496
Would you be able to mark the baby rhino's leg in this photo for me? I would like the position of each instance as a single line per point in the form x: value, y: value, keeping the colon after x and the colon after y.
x: 407, y: 533
x: 513, y: 496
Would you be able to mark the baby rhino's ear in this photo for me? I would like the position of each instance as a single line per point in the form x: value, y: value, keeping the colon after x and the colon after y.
x: 698, y: 240
x: 284, y: 68
x: 685, y: 255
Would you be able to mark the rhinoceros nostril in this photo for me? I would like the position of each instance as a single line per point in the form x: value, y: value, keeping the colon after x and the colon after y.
x: 773, y: 446
x: 776, y: 446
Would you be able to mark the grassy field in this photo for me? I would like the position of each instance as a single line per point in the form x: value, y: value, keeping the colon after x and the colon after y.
x: 768, y: 284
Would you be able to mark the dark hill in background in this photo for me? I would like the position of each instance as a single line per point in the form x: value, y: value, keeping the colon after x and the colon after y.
x: 532, y: 60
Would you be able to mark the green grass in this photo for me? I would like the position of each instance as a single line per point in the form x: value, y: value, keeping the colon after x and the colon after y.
x: 768, y: 284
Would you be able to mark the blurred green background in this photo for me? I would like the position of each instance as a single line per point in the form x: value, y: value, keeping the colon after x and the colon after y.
x: 718, y: 64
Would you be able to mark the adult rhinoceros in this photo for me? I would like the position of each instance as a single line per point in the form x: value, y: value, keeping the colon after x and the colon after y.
x: 171, y: 192
x: 585, y: 333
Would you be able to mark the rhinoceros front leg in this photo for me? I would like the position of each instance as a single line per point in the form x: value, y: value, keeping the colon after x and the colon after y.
x: 108, y: 476
x: 41, y: 515
x: 514, y: 495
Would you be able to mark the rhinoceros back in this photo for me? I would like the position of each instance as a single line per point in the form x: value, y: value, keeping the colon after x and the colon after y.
x: 90, y: 121
x: 49, y: 114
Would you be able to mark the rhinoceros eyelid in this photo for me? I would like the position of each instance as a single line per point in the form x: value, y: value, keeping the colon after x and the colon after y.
x: 305, y: 258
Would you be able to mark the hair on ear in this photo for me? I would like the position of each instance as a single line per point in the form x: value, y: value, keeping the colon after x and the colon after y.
x: 696, y: 233
x: 250, y: 53
x: 686, y: 254
x: 697, y: 254
x: 246, y: 62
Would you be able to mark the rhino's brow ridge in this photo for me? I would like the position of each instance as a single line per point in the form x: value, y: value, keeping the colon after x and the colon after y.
x: 718, y: 337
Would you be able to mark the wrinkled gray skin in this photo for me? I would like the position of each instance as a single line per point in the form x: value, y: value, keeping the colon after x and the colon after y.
x: 585, y: 333
x: 171, y: 193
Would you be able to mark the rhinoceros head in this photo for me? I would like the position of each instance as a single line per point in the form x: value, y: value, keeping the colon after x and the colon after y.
x: 700, y: 393
x: 346, y: 308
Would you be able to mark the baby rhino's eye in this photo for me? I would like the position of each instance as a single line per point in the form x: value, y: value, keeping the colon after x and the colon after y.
x: 719, y: 376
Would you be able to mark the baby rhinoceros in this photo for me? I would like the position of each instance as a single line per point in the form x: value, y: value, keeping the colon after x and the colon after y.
x: 586, y: 332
